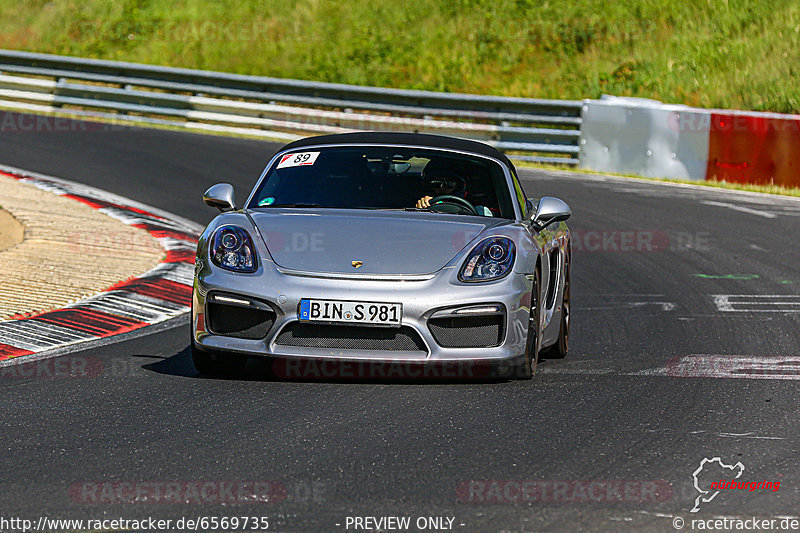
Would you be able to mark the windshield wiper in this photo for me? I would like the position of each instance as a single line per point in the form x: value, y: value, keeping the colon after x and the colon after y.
x: 415, y: 209
x: 292, y: 205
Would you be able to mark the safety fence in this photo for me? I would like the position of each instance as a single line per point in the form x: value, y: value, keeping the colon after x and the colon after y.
x: 546, y: 131
x: 620, y: 135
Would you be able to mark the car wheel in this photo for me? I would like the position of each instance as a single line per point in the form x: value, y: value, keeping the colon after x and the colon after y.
x: 528, y: 368
x: 559, y: 349
x: 213, y: 364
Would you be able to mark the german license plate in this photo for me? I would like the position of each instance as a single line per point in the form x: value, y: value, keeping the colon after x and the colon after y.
x: 374, y: 313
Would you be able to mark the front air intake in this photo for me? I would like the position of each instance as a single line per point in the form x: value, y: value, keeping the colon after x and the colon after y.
x: 239, y: 322
x: 349, y: 337
x: 478, y: 331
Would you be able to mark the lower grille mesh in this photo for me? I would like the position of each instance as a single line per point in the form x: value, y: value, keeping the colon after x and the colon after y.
x: 239, y: 322
x: 350, y: 337
x: 468, y: 331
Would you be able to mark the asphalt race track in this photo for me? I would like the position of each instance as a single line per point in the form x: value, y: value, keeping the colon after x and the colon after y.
x: 684, y: 346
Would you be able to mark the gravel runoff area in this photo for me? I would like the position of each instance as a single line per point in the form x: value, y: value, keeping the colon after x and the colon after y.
x: 68, y: 251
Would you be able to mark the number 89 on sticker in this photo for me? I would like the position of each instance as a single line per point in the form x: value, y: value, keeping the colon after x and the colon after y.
x: 301, y: 159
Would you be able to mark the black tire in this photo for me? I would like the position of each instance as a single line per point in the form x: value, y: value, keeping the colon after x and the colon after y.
x: 560, y: 348
x: 527, y: 369
x: 214, y: 364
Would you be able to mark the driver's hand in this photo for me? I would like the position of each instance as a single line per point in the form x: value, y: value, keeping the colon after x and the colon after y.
x: 424, y: 202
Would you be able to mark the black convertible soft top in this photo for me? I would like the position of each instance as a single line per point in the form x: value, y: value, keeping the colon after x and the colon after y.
x: 413, y: 139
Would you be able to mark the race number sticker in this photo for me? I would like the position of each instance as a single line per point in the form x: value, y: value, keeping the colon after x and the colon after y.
x: 298, y: 160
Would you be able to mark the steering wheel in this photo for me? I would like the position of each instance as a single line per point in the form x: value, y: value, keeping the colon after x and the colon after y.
x: 459, y: 202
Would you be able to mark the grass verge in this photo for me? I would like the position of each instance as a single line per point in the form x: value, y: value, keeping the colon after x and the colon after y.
x: 715, y: 53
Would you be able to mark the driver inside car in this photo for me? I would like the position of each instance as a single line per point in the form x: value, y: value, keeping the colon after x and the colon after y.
x: 447, y: 185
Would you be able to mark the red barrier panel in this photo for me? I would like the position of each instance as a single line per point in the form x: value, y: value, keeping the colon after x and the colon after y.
x: 760, y: 149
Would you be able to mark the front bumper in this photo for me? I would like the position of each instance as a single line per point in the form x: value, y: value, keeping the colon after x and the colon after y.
x: 421, y: 298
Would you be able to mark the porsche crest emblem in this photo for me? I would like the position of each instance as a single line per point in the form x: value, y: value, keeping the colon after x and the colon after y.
x: 356, y: 264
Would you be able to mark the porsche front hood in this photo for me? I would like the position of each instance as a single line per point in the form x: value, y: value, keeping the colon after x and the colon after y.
x: 364, y: 242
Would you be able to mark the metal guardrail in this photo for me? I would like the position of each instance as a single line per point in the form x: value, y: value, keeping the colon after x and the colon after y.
x: 527, y: 129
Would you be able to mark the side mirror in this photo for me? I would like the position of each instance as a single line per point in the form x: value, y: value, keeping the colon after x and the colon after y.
x: 530, y: 207
x: 220, y: 196
x: 551, y: 210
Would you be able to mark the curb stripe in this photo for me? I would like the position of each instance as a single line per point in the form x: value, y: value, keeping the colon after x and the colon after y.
x: 170, y: 244
x: 160, y: 233
x: 132, y: 305
x: 93, y: 322
x: 160, y: 294
x: 105, y: 204
x: 182, y: 273
x: 160, y: 289
x: 36, y: 336
x: 95, y: 204
x: 7, y: 352
x: 180, y: 256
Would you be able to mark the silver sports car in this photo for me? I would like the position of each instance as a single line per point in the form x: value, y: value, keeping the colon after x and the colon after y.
x: 418, y: 251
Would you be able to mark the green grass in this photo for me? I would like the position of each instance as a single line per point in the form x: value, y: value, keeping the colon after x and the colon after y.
x: 707, y: 53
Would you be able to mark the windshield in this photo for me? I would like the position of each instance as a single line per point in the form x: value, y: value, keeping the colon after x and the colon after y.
x: 384, y: 177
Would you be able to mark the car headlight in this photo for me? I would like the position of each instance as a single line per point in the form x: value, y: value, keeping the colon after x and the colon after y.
x: 491, y: 259
x: 232, y: 249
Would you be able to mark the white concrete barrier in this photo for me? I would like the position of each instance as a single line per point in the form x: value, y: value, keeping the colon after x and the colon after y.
x: 645, y: 138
